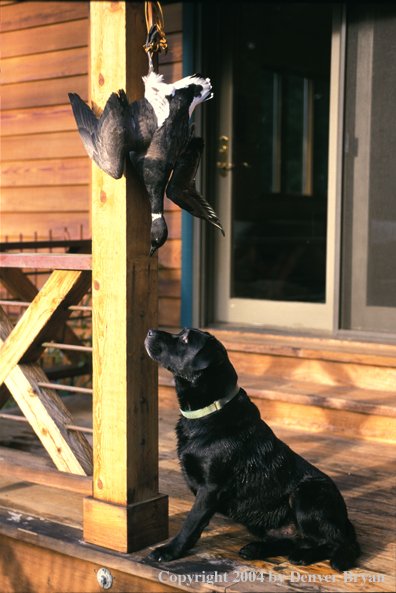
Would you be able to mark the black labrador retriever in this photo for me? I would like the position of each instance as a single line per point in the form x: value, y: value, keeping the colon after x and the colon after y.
x: 235, y: 465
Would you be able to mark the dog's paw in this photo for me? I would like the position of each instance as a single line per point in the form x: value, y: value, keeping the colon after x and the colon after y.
x: 340, y: 564
x: 163, y: 554
x: 304, y: 556
x: 252, y: 551
x: 300, y: 557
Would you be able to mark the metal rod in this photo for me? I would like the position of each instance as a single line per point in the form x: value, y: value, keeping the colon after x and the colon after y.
x: 11, y: 417
x: 16, y: 303
x: 26, y: 304
x: 78, y: 428
x: 66, y: 347
x: 68, y: 426
x: 60, y: 387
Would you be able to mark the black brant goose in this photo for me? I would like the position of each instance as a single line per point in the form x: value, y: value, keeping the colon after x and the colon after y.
x: 156, y: 134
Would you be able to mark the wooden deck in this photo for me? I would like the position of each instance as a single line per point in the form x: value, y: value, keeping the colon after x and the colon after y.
x: 42, y: 546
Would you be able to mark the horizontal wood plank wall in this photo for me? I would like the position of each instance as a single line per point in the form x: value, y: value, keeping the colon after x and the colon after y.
x: 45, y: 170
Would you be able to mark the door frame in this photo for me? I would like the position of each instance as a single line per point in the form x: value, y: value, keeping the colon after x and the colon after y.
x: 316, y: 317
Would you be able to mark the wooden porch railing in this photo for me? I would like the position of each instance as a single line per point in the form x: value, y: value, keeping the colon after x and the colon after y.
x: 126, y: 511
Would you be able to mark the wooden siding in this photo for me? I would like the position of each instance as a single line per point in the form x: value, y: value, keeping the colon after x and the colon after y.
x: 45, y: 169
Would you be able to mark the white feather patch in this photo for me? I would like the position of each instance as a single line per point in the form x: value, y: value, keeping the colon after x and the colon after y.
x: 155, y: 93
x: 204, y: 95
x: 154, y: 216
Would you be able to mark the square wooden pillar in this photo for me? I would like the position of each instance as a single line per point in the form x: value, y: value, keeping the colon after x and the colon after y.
x: 126, y: 511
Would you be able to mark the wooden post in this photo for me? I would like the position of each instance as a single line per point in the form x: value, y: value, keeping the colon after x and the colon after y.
x: 126, y: 511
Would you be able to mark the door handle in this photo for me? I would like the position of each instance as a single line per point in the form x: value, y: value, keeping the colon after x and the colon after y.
x: 223, y: 164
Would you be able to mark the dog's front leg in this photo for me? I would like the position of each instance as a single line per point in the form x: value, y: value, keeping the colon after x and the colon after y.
x: 197, y: 519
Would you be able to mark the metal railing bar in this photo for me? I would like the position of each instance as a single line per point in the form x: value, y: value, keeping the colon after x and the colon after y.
x: 60, y: 387
x: 79, y: 428
x: 66, y: 347
x: 13, y: 417
x: 68, y: 426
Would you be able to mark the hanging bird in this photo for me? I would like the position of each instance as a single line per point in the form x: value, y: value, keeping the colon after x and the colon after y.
x: 155, y: 132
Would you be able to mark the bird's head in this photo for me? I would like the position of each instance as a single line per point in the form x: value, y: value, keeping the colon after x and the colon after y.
x: 159, y: 233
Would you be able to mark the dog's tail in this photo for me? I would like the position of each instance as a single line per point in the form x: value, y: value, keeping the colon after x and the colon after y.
x: 345, y: 555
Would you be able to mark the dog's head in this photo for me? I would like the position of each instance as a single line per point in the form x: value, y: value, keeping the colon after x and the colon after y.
x: 186, y: 354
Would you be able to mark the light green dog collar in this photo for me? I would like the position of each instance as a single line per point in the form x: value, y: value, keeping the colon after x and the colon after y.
x: 217, y: 405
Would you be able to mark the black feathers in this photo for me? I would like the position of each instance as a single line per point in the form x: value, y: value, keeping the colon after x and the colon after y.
x: 106, y: 139
x: 181, y: 187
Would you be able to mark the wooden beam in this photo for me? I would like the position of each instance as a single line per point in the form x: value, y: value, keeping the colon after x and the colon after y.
x: 46, y: 413
x: 125, y: 297
x: 46, y: 314
x: 73, y: 245
x: 59, y: 261
x: 33, y: 468
x: 36, y: 568
x: 18, y: 284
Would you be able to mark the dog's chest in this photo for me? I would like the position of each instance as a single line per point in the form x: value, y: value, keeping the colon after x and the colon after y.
x: 194, y: 470
x: 203, y: 462
x: 194, y: 463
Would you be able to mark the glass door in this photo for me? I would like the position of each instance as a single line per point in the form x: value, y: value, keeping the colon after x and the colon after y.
x: 277, y: 165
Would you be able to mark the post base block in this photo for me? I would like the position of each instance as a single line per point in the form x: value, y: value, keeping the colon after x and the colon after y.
x: 125, y: 528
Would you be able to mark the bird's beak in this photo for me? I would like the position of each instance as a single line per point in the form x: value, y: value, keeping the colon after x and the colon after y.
x: 153, y: 250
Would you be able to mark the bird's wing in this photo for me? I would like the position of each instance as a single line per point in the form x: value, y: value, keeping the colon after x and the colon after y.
x: 144, y: 123
x: 113, y: 135
x: 181, y: 187
x: 86, y: 121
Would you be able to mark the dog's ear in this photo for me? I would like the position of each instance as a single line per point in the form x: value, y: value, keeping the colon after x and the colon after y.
x: 212, y: 352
